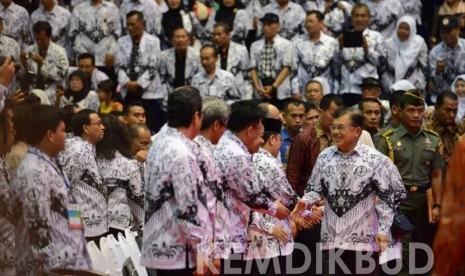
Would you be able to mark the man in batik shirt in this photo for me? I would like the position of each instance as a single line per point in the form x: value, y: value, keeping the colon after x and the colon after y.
x: 291, y: 17
x: 16, y: 23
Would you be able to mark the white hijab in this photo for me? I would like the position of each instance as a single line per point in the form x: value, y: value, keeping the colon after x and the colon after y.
x: 407, y: 50
x: 461, y: 111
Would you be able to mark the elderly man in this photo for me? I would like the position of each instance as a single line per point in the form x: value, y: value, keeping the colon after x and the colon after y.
x: 141, y: 141
x: 361, y: 189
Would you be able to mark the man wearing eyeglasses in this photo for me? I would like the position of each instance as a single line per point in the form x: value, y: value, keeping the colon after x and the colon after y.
x: 361, y: 189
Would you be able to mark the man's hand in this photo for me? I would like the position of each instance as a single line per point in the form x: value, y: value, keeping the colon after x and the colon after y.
x: 141, y: 155
x: 440, y: 66
x: 294, y: 229
x: 18, y: 97
x: 281, y: 211
x: 7, y: 72
x: 268, y: 91
x: 436, y: 215
x: 38, y: 59
x: 381, y: 242
x: 109, y: 61
x: 280, y: 234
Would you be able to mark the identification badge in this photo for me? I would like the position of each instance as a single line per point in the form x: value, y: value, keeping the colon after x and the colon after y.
x: 74, y: 216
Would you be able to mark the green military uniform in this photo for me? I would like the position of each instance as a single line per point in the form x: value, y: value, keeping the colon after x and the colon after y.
x: 415, y: 156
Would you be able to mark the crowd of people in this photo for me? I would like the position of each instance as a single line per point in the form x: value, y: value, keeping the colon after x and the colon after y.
x: 242, y: 136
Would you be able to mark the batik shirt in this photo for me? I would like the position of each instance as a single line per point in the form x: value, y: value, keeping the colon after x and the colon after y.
x: 242, y: 189
x: 455, y: 64
x: 125, y: 183
x: 336, y: 18
x: 243, y: 23
x: 177, y: 219
x: 291, y: 19
x: 168, y: 68
x: 9, y: 47
x: 273, y: 179
x: 361, y: 191
x: 97, y: 77
x: 150, y: 10
x: 87, y: 186
x: 8, y: 221
x: 413, y: 8
x: 222, y: 85
x: 53, y: 69
x: 384, y: 15
x: 44, y: 238
x: 213, y: 182
x: 147, y: 65
x: 355, y: 66
x: 16, y: 24
x: 416, y: 74
x: 59, y: 19
x: 312, y: 60
x: 238, y: 63
x: 91, y: 102
x: 283, y: 55
x: 3, y: 94
x: 95, y: 30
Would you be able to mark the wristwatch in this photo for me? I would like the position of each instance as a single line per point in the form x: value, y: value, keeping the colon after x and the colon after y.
x: 437, y: 205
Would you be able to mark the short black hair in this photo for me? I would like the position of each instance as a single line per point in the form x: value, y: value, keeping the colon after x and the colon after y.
x: 139, y: 15
x: 445, y: 95
x: 41, y: 118
x: 328, y: 99
x: 183, y: 103
x: 317, y: 13
x: 106, y: 86
x: 225, y: 25
x: 244, y: 113
x: 40, y: 26
x: 127, y: 107
x: 116, y: 139
x: 117, y: 113
x: 355, y: 115
x: 369, y: 100
x: 134, y: 129
x: 211, y: 46
x: 360, y: 6
x: 79, y: 120
x: 87, y: 56
x: 289, y: 101
x: 68, y: 113
x: 267, y: 134
x: 396, y: 98
x: 177, y: 29
x: 310, y: 106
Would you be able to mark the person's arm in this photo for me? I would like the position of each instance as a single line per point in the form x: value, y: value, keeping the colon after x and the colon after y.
x: 153, y: 64
x: 135, y: 192
x: 57, y: 68
x: 436, y: 186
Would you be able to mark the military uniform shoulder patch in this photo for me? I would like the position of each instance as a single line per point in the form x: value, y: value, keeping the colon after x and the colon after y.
x: 387, y: 133
x: 430, y: 131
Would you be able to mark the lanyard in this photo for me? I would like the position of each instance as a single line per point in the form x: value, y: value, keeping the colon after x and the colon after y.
x: 57, y: 170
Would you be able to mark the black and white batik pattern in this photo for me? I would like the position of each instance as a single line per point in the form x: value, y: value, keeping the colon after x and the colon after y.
x: 223, y: 85
x: 80, y: 165
x: 8, y: 220
x: 59, y: 19
x: 242, y: 188
x: 384, y: 15
x: 176, y: 204
x: 291, y: 18
x: 43, y: 235
x: 361, y: 192
x: 125, y: 183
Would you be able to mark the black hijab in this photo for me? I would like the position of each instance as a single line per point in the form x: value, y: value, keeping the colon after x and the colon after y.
x: 171, y: 20
x: 227, y: 15
x: 75, y: 97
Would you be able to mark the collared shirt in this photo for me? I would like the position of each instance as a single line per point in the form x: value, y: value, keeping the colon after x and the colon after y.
x: 355, y: 66
x: 8, y: 221
x: 168, y: 69
x: 222, y: 85
x: 285, y: 145
x: 9, y: 47
x: 59, y: 18
x: 361, y: 191
x: 176, y: 204
x: 147, y: 65
x: 283, y: 58
x: 272, y: 178
x: 150, y: 9
x: 242, y: 188
x: 16, y: 24
x: 312, y: 60
x: 336, y: 18
x: 44, y: 235
x: 291, y: 18
x: 303, y: 154
x: 53, y: 69
x: 125, y: 183
x: 91, y: 102
x: 416, y: 156
x: 95, y: 29
x: 450, y: 135
x: 454, y: 60
x: 243, y: 24
x: 97, y: 77
x: 86, y: 183
x: 384, y: 15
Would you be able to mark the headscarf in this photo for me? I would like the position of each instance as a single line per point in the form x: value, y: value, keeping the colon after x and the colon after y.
x: 171, y: 20
x: 227, y: 15
x: 75, y: 97
x: 461, y: 110
x: 324, y: 84
x: 407, y: 50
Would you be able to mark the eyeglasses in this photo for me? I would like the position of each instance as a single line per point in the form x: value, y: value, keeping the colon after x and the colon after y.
x: 340, y: 128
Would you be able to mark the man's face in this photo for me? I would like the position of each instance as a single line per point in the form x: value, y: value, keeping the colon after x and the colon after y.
x: 447, y: 112
x: 326, y: 116
x: 270, y: 29
x: 312, y: 24
x: 314, y: 93
x: 371, y: 91
x: 59, y: 137
x: 95, y: 128
x: 135, y: 26
x: 85, y: 65
x: 450, y: 36
x: 220, y: 37
x: 255, y: 137
x: 180, y: 40
x: 6, y: 3
x: 344, y: 134
x: 174, y: 4
x: 412, y: 116
x: 136, y: 115
x: 294, y: 117
x: 47, y: 3
x: 42, y: 41
x: 142, y: 141
x: 371, y: 115
x: 208, y: 59
x: 311, y: 117
x: 360, y: 19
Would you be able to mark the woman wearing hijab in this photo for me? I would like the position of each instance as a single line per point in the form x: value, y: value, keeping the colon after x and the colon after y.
x: 406, y: 56
x: 78, y: 92
x: 173, y: 19
x: 458, y: 87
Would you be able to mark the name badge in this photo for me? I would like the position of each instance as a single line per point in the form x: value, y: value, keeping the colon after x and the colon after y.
x: 74, y: 217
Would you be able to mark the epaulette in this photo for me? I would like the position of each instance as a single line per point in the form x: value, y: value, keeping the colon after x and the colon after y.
x: 431, y: 131
x: 387, y: 133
